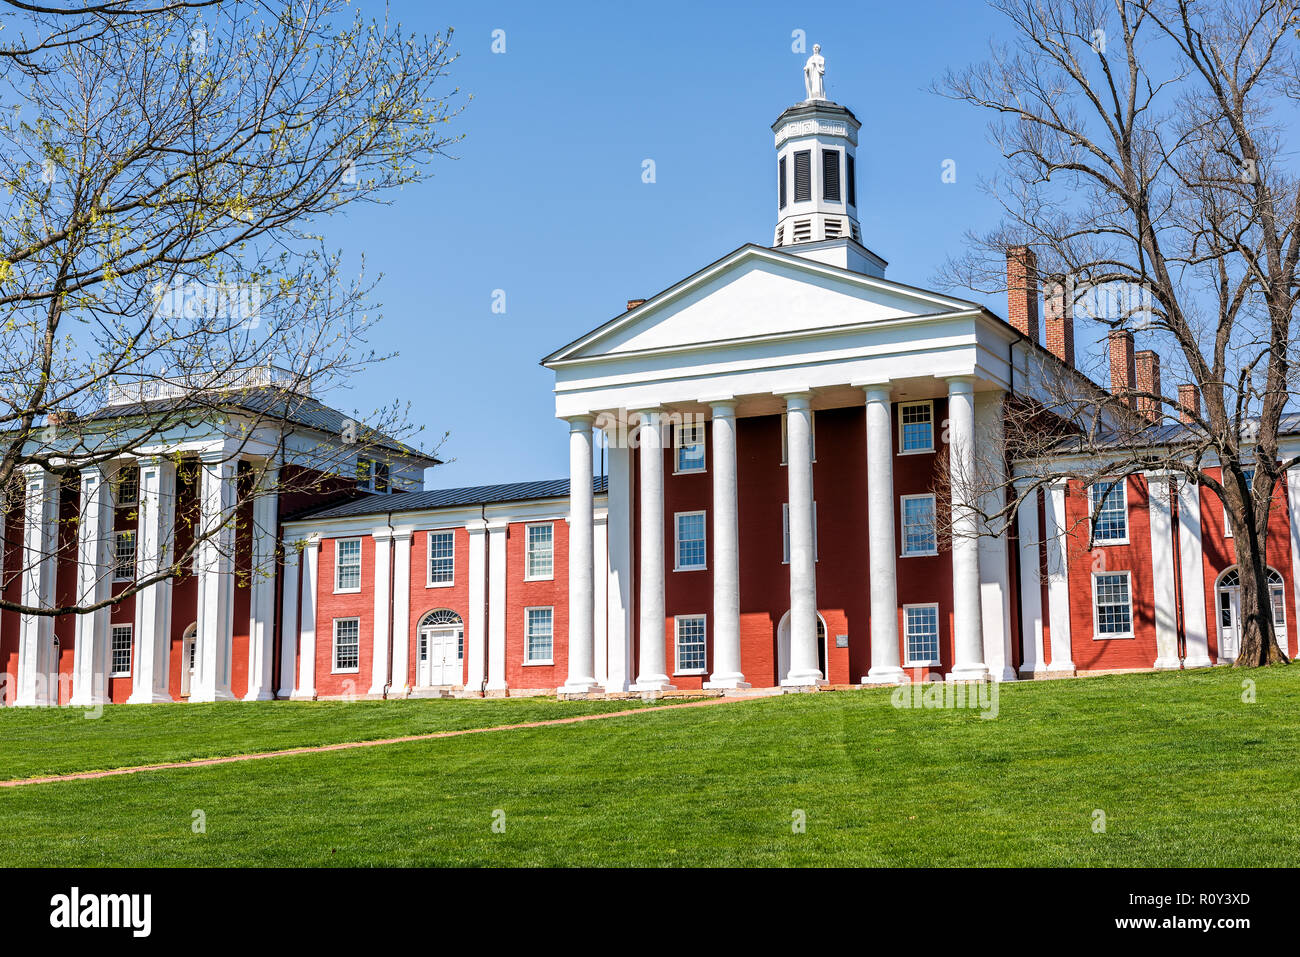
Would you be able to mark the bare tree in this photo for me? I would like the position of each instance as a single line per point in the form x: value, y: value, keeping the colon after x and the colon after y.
x: 166, y: 168
x: 1146, y: 151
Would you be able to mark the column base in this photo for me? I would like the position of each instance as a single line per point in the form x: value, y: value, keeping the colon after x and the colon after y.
x: 1030, y: 669
x: 94, y: 701
x: 804, y: 679
x: 211, y: 699
x: 1061, y: 668
x: 1009, y: 674
x: 157, y: 697
x: 1200, y: 661
x: 1166, y: 664
x: 968, y: 673
x: 653, y: 683
x: 262, y: 695
x: 885, y: 675
x: 303, y: 696
x: 726, y: 682
x: 580, y: 686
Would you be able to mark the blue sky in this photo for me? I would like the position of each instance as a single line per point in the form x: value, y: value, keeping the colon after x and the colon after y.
x: 546, y: 200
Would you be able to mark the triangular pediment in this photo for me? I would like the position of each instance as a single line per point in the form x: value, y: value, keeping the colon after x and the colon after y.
x: 754, y: 293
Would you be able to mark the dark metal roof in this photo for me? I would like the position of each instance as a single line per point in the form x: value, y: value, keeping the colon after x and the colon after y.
x: 374, y: 504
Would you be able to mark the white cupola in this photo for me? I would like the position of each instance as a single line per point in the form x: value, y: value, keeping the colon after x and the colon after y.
x: 816, y: 166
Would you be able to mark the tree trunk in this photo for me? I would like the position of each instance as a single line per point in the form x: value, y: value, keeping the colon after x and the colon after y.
x: 1258, y: 643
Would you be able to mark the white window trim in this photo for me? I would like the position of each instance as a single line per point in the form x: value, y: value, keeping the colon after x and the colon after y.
x: 334, y: 649
x: 528, y: 545
x: 428, y: 558
x: 908, y: 660
x: 677, y: 541
x: 677, y: 633
x: 1121, y: 484
x: 1122, y: 636
x: 116, y: 535
x: 785, y: 436
x: 539, y: 662
x: 338, y: 566
x: 902, y: 525
x: 131, y: 658
x: 677, y: 451
x: 929, y: 403
x: 785, y: 534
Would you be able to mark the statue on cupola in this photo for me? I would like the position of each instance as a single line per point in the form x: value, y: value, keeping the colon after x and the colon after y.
x: 813, y: 71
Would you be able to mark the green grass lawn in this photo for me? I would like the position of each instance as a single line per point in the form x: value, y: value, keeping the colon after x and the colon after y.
x: 1185, y: 772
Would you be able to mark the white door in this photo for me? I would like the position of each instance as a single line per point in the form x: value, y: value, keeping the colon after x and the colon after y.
x: 1229, y: 624
x: 187, y: 663
x: 441, y: 655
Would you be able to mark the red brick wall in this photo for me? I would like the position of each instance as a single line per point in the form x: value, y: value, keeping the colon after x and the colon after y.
x: 522, y: 594
x: 360, y: 605
x: 425, y: 599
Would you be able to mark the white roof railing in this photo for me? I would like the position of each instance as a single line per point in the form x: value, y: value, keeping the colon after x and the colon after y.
x: 175, y: 387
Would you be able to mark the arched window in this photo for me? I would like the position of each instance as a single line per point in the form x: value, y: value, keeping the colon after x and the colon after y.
x: 440, y: 616
x: 1231, y: 579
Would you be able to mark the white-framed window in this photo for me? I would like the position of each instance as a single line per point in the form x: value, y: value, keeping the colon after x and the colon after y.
x: 120, y: 666
x: 539, y: 635
x: 691, y: 548
x: 919, y: 535
x: 126, y: 490
x: 347, y: 565
x: 689, y: 442
x: 442, y: 558
x: 539, y: 552
x: 382, y: 483
x: 785, y: 533
x: 915, y: 427
x: 347, y: 645
x: 1250, y: 487
x: 690, y: 644
x: 921, y: 629
x: 123, y: 556
x: 1108, y: 506
x: 785, y: 436
x: 1112, y: 605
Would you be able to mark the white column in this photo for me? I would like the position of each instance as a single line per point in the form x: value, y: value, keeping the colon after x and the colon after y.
x: 400, y: 685
x: 289, y: 619
x: 306, y: 689
x: 1058, y: 580
x: 621, y: 596
x: 1195, y: 626
x: 1162, y: 566
x: 967, y: 613
x: 94, y: 584
x: 261, y: 597
x: 994, y: 555
x: 38, y: 664
x: 383, y: 539
x: 651, y: 676
x: 1293, y: 514
x: 153, y: 605
x: 476, y: 630
x: 1031, y: 584
x: 216, y: 579
x: 582, y: 558
x: 882, y: 545
x: 804, y: 669
x: 497, y: 605
x: 727, y: 670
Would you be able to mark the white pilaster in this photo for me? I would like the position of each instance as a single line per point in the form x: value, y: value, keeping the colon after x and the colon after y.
x: 994, y: 554
x: 727, y: 670
x: 1031, y: 584
x: 582, y: 567
x: 1192, y: 559
x: 400, y: 685
x: 1058, y: 580
x: 261, y: 596
x: 497, y: 605
x: 653, y: 657
x: 882, y: 548
x: 967, y: 612
x: 153, y: 604
x: 476, y: 629
x: 804, y: 669
x: 1162, y: 566
x: 383, y: 539
x: 38, y: 666
x: 621, y: 596
x: 1293, y: 515
x: 94, y: 584
x: 600, y: 539
x: 289, y: 619
x: 216, y: 579
x: 306, y: 689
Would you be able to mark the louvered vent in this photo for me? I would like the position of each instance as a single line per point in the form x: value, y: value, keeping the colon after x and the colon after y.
x: 802, y: 230
x: 853, y: 231
x: 780, y: 234
x: 780, y: 178
x: 802, y: 176
x: 853, y: 182
x: 831, y: 175
x: 834, y: 228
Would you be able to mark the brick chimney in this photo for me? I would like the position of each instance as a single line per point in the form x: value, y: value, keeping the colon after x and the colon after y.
x: 1148, y: 380
x: 1022, y: 291
x: 1123, y: 374
x: 633, y: 303
x: 1189, y: 400
x: 1058, y: 320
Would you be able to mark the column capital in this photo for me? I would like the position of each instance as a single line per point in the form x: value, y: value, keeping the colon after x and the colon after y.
x: 873, y: 385
x: 382, y: 534
x: 797, y: 398
x: 580, y: 423
x: 955, y: 382
x: 722, y: 405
